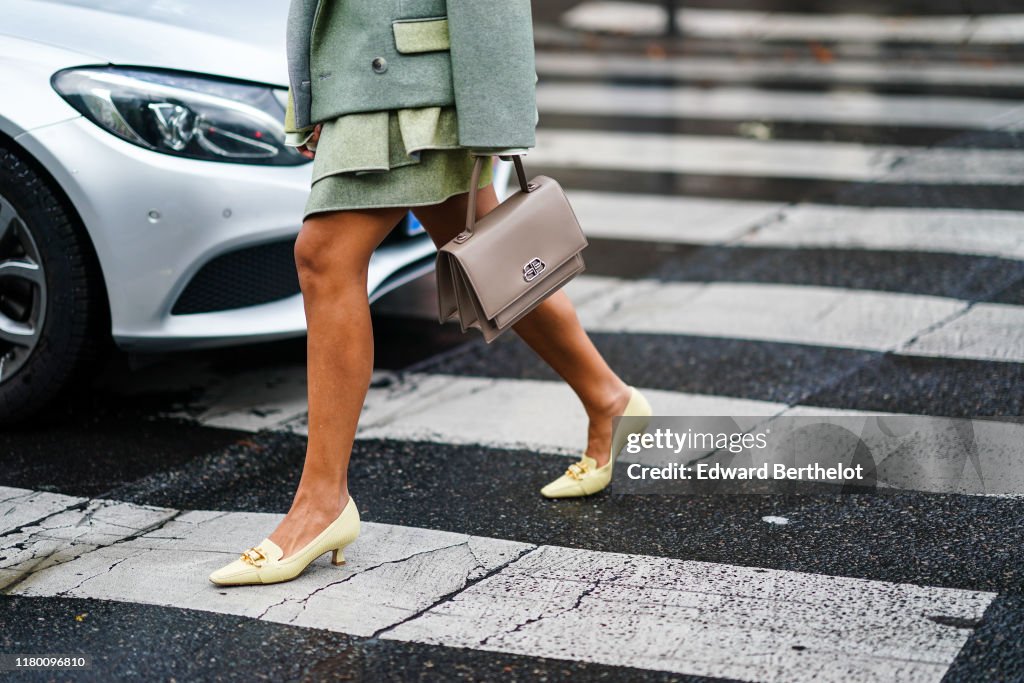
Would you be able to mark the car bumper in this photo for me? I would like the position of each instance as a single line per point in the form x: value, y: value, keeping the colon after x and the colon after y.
x: 156, y: 221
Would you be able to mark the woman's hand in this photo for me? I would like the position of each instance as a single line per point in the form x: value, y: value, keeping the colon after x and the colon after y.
x: 304, y: 150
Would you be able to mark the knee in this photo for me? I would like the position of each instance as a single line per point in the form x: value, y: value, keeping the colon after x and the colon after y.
x: 310, y: 256
x: 322, y: 261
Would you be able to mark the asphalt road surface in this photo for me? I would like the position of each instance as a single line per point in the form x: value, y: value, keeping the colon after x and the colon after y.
x: 787, y: 213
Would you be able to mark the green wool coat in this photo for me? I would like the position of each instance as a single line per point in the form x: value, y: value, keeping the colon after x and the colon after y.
x: 393, y: 54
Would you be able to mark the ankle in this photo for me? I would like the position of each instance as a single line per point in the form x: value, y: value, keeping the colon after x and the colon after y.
x: 611, y: 402
x: 328, y: 500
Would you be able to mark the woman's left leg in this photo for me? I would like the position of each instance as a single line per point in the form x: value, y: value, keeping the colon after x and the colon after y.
x: 552, y: 330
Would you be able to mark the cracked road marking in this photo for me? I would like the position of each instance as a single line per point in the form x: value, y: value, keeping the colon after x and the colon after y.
x: 456, y: 590
x: 703, y: 618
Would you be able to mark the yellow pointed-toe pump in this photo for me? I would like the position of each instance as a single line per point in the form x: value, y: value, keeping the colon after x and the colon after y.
x: 262, y: 563
x: 584, y: 478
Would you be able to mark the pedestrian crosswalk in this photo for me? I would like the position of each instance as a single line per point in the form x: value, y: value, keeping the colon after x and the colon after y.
x: 744, y: 261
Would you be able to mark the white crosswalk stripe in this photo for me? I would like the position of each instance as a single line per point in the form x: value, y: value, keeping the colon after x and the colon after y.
x: 991, y: 331
x: 433, y: 407
x: 691, y: 220
x: 954, y: 231
x: 745, y: 103
x: 655, y: 152
x: 822, y: 316
x: 800, y: 314
x: 459, y: 410
x: 618, y: 17
x: 725, y: 71
x: 503, y: 596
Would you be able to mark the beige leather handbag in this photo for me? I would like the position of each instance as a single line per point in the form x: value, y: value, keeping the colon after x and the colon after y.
x: 501, y: 267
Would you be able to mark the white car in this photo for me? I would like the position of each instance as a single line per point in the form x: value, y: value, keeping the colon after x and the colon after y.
x: 145, y: 193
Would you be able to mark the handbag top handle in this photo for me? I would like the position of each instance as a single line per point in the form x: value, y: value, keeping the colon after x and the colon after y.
x: 475, y: 180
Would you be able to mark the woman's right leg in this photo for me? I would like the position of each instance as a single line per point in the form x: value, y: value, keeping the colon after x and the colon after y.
x: 332, y: 255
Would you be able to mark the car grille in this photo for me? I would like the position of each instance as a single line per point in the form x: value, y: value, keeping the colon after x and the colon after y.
x: 254, y: 275
x: 246, y: 277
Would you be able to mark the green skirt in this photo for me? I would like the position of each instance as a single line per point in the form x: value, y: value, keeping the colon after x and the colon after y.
x: 397, y: 158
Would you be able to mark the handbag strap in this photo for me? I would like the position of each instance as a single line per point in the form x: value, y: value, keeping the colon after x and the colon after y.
x: 475, y: 180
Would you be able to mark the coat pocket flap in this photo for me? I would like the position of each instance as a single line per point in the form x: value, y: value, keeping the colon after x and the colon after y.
x: 421, y: 35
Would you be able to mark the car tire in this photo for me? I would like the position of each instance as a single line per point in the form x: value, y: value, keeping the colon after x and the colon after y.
x: 52, y: 300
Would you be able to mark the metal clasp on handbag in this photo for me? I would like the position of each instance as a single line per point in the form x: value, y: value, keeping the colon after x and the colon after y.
x: 533, y: 268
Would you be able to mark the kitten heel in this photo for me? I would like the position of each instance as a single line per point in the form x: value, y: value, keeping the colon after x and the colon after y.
x: 262, y: 563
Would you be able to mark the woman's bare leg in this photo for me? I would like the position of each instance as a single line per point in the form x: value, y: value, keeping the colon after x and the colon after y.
x: 332, y: 255
x: 552, y: 330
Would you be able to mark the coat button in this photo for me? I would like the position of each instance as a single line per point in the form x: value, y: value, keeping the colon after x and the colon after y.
x: 379, y: 64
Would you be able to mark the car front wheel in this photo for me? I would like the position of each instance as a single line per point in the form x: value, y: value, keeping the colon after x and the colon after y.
x: 51, y: 298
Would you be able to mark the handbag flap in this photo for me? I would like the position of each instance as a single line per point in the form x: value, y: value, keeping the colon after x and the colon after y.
x: 518, y: 244
x: 551, y: 284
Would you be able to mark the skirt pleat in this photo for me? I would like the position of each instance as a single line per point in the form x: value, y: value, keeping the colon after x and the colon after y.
x: 405, y: 157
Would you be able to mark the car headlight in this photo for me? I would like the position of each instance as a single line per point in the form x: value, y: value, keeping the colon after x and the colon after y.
x: 182, y: 114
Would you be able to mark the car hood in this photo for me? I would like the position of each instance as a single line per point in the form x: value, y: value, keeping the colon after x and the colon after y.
x: 241, y: 39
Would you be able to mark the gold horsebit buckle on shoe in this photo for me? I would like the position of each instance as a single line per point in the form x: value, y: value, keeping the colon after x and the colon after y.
x: 578, y: 469
x: 253, y: 556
